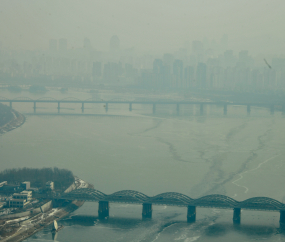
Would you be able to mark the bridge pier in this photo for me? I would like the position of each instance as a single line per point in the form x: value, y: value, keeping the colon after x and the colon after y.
x: 131, y: 107
x: 283, y: 109
x: 177, y: 109
x: 282, y: 217
x: 11, y: 105
x: 154, y: 108
x: 82, y: 108
x: 147, y: 211
x: 58, y: 107
x: 237, y: 214
x: 103, y: 209
x: 35, y: 107
x: 191, y: 214
x: 201, y: 109
x: 272, y: 109
x: 106, y: 107
x: 225, y: 109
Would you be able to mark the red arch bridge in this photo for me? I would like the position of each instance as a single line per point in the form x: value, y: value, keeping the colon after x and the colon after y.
x: 175, y: 199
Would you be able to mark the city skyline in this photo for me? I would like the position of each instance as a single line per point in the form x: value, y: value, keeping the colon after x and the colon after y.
x: 155, y: 25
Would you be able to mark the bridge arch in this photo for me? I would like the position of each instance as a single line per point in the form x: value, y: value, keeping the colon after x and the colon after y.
x: 85, y: 193
x: 171, y: 197
x: 128, y: 194
x: 216, y: 199
x: 23, y: 98
x: 261, y: 202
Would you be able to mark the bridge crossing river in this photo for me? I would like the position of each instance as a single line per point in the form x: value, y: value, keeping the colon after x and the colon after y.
x: 154, y: 103
x: 175, y: 199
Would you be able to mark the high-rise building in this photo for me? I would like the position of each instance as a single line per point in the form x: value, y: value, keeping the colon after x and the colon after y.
x: 112, y: 71
x: 229, y: 59
x: 53, y: 45
x: 178, y: 72
x: 97, y: 69
x: 244, y: 59
x: 189, y: 76
x: 62, y: 44
x: 201, y: 75
x: 157, y: 66
x: 114, y: 43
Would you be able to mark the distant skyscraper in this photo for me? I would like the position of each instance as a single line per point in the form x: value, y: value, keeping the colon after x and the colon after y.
x: 114, y: 43
x: 189, y: 76
x: 201, y: 75
x: 53, y: 45
x: 62, y: 44
x: 243, y: 55
x: 178, y: 72
x: 178, y: 68
x: 87, y: 44
x: 229, y: 59
x: 157, y: 66
x: 97, y: 69
x: 244, y: 58
x: 112, y: 71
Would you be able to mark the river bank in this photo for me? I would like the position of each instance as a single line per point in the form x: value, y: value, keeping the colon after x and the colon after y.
x: 38, y: 223
x: 19, y: 229
x: 14, y: 120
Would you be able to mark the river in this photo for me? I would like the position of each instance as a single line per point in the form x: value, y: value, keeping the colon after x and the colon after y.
x: 236, y: 155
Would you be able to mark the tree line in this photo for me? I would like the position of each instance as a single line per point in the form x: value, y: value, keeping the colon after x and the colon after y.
x: 5, y: 114
x: 62, y: 178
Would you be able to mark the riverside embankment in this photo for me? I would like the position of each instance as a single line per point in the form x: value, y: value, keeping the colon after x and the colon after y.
x: 23, y: 227
x: 9, y: 119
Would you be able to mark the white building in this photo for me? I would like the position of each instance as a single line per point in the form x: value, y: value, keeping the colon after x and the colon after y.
x: 25, y: 195
x: 26, y: 185
x: 50, y: 185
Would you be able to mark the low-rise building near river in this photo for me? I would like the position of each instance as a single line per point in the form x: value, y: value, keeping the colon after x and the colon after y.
x: 18, y: 203
x: 25, y: 195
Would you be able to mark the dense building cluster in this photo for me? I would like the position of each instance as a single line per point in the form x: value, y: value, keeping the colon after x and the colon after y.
x: 200, y: 65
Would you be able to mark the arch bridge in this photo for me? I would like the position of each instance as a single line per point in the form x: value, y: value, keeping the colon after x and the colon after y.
x: 175, y: 199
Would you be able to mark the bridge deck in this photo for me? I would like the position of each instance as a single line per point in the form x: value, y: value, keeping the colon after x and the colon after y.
x: 51, y: 100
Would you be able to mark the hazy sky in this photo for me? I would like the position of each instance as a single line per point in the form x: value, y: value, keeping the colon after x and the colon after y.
x: 257, y: 25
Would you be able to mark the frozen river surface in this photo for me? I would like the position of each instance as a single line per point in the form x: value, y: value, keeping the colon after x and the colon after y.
x: 235, y: 155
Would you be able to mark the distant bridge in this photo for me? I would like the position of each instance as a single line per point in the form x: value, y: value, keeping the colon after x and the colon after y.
x: 154, y: 103
x: 175, y: 199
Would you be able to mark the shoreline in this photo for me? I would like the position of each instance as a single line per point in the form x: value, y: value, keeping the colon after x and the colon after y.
x: 18, y: 120
x: 53, y: 214
x: 43, y: 220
